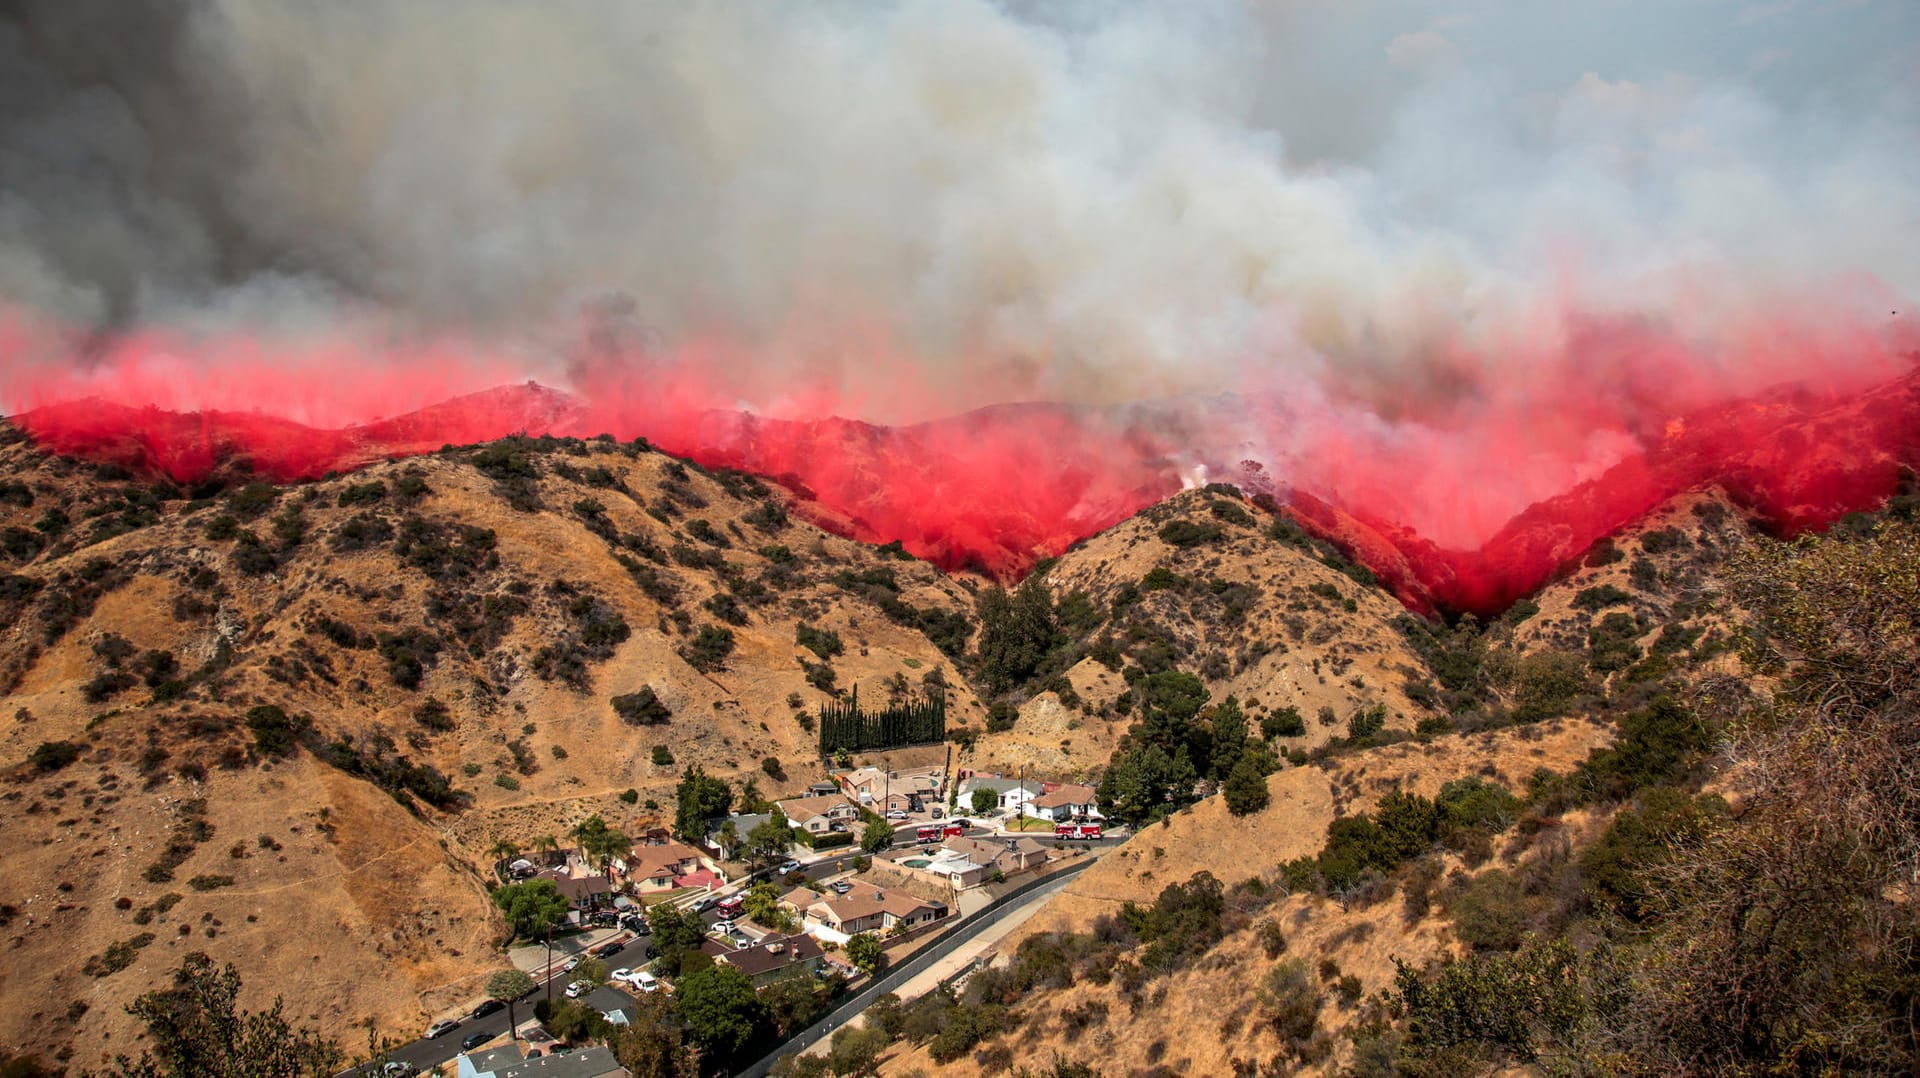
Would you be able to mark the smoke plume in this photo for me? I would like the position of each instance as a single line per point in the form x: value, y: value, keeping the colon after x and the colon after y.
x: 1433, y: 262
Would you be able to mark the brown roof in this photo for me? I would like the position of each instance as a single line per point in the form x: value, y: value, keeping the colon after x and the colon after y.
x: 802, y: 809
x: 584, y: 887
x: 983, y: 851
x: 763, y: 959
x: 865, y: 900
x: 647, y: 862
x: 1068, y: 794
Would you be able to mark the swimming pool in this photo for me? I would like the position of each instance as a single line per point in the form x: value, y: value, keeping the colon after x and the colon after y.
x: 916, y: 862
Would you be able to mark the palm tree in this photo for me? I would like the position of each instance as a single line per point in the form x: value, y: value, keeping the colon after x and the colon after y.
x: 546, y: 845
x: 502, y: 851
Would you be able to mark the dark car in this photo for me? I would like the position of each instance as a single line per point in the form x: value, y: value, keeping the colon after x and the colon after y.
x: 475, y: 1040
x: 608, y: 950
x: 487, y: 1007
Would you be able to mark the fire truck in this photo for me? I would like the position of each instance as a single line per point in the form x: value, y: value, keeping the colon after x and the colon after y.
x: 936, y: 832
x: 1084, y: 831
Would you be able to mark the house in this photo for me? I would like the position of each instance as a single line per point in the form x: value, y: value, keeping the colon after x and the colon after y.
x: 1007, y: 855
x: 871, y: 786
x: 823, y: 788
x: 743, y: 825
x: 819, y: 815
x: 772, y: 959
x: 1065, y: 802
x: 664, y: 866
x: 864, y: 908
x: 614, y: 1005
x: 507, y: 1062
x: 1011, y: 794
x: 584, y: 892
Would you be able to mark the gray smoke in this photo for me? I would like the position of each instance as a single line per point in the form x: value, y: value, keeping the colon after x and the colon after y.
x: 964, y: 202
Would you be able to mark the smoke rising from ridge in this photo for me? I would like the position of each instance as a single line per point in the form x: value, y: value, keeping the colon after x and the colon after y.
x: 1501, y: 241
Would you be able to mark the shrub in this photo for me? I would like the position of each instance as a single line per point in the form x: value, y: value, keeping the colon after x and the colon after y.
x: 1284, y: 722
x: 273, y: 732
x: 51, y: 756
x: 1187, y: 533
x: 709, y: 650
x: 1600, y: 597
x: 662, y: 756
x: 642, y: 708
x: 822, y: 642
x: 506, y: 782
x: 210, y: 882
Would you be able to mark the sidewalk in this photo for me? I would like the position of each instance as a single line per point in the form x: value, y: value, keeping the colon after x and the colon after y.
x: 532, y: 958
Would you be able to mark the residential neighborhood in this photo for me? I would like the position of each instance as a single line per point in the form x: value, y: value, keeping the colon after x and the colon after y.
x: 780, y: 892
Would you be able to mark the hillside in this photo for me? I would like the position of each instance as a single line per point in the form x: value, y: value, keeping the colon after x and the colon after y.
x: 285, y: 723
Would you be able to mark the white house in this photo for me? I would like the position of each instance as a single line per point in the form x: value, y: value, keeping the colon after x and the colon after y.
x: 1065, y: 802
x: 1012, y: 794
x: 819, y: 815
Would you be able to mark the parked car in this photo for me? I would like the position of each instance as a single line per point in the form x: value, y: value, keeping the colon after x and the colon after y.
x: 723, y: 926
x: 741, y: 943
x: 789, y: 866
x: 487, y: 1007
x: 841, y: 887
x: 606, y: 918
x: 475, y: 1040
x: 646, y: 982
x: 622, y: 974
x: 442, y: 1028
x: 633, y: 922
x: 897, y: 814
x: 397, y: 1068
x: 960, y: 821
x: 567, y: 966
x: 609, y: 949
x: 705, y: 904
x: 580, y: 988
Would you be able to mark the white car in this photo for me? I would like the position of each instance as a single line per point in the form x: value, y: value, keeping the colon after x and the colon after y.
x: 621, y: 974
x: 897, y: 814
x: 790, y: 866
x: 567, y: 966
x: 723, y: 927
x: 579, y: 988
x: 441, y: 1029
x: 646, y: 982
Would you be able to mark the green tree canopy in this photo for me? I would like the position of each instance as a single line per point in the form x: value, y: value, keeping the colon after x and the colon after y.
x: 865, y: 952
x: 769, y: 842
x: 700, y: 798
x: 1016, y: 633
x: 877, y: 836
x: 984, y: 801
x: 531, y: 907
x: 723, y: 1015
x: 1246, y: 788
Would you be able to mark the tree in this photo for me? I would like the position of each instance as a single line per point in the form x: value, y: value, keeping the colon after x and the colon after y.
x: 1246, y: 789
x: 856, y: 1052
x: 675, y: 932
x: 1016, y: 633
x: 546, y: 846
x: 865, y: 952
x: 531, y: 907
x: 700, y: 798
x: 762, y: 907
x: 1229, y: 738
x: 769, y: 842
x: 599, y: 842
x: 984, y: 801
x: 653, y: 1043
x: 591, y: 970
x: 503, y: 850
x: 723, y: 1015
x: 877, y: 836
x: 197, y: 1031
x: 508, y: 986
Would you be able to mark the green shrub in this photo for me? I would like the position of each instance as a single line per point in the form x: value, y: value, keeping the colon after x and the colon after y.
x: 51, y: 756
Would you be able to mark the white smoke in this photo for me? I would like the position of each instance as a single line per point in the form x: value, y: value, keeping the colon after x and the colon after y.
x: 1089, y: 202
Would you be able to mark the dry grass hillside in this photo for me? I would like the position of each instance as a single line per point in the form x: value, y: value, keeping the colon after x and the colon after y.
x: 450, y: 630
x: 284, y: 724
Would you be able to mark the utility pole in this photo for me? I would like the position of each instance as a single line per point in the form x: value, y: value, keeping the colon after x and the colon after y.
x: 549, y: 962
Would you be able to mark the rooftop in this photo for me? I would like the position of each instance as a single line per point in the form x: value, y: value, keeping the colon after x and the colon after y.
x: 805, y: 808
x: 1068, y: 794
